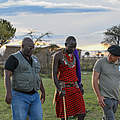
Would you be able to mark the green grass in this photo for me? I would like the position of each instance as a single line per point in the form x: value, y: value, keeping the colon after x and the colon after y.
x: 94, y: 112
x: 5, y: 112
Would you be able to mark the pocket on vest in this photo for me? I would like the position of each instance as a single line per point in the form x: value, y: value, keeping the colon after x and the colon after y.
x: 37, y: 69
x: 22, y: 85
x: 38, y: 81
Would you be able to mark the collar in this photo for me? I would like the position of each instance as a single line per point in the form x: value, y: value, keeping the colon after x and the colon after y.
x: 29, y: 60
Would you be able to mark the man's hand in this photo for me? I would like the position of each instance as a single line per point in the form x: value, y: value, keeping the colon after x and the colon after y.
x: 42, y: 98
x: 62, y: 93
x: 81, y: 88
x: 119, y: 102
x: 8, y: 98
x: 101, y: 101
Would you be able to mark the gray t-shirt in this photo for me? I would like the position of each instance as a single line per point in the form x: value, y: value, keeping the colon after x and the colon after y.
x: 109, y: 80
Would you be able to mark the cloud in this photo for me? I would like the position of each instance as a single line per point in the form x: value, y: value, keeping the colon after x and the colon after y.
x: 13, y: 7
x: 113, y: 1
x: 86, y: 21
x: 12, y: 3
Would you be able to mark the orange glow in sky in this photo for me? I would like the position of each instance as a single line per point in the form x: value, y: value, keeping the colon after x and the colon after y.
x: 94, y: 47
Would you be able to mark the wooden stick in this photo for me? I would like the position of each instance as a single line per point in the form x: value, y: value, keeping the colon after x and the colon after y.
x: 64, y: 108
x: 54, y: 97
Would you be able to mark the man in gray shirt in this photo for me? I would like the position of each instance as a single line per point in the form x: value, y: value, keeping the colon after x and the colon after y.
x: 106, y: 82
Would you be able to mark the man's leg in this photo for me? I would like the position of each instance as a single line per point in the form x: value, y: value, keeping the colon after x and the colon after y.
x: 115, y: 105
x: 19, y: 106
x: 35, y: 112
x: 64, y: 118
x: 110, y: 109
x: 81, y: 117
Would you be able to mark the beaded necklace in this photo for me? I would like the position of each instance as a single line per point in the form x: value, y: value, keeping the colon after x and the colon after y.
x: 71, y: 62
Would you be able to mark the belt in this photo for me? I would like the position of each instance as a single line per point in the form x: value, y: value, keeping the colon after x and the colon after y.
x: 70, y: 84
x: 30, y: 92
x: 110, y: 98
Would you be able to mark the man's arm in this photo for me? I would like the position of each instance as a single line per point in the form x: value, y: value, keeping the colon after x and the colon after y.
x: 95, y: 79
x: 42, y: 92
x: 10, y: 65
x: 55, y: 71
x: 57, y: 59
x: 8, y: 96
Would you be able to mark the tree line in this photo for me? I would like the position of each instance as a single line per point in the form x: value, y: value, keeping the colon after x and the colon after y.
x: 7, y: 32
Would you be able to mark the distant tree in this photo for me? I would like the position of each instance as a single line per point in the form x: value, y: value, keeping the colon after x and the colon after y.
x: 98, y: 53
x: 112, y: 35
x: 7, y: 31
x: 87, y: 54
x: 102, y: 55
x: 41, y: 36
x: 38, y: 38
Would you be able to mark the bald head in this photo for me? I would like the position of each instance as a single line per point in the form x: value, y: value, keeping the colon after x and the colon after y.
x: 70, y: 39
x: 26, y: 41
x: 27, y: 46
x: 70, y: 44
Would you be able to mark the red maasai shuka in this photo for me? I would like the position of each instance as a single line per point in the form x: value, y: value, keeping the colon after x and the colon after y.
x: 73, y: 99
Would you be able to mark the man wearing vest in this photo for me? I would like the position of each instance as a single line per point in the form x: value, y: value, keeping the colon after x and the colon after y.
x: 21, y: 91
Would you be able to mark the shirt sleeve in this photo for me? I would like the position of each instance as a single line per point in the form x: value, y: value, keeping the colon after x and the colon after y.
x: 97, y: 66
x: 11, y: 63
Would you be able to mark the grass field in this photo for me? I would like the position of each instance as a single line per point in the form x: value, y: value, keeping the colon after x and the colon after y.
x: 94, y: 112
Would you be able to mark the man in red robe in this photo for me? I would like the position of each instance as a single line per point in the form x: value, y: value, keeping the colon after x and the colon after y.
x: 69, y: 99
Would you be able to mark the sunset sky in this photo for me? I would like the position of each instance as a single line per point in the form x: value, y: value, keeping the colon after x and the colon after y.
x: 85, y: 19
